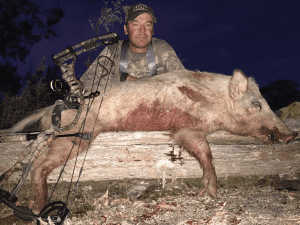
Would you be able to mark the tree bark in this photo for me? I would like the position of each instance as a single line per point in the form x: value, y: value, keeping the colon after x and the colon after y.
x: 118, y: 155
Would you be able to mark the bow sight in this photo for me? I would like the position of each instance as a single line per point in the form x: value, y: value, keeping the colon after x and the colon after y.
x: 57, y: 211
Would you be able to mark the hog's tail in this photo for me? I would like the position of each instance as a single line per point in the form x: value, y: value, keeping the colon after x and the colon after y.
x: 32, y: 118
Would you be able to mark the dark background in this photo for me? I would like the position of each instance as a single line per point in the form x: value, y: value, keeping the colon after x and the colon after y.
x: 260, y: 37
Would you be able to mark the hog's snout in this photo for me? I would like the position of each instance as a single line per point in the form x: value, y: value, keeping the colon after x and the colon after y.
x: 291, y: 138
x: 274, y: 136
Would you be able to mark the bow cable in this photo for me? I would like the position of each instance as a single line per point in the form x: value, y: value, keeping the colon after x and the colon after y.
x: 103, y: 67
x: 89, y: 104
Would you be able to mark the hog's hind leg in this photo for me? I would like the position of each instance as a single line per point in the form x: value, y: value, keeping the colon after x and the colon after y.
x: 196, y: 144
x: 53, y: 157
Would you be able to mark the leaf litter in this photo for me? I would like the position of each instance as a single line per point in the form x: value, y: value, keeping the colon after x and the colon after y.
x: 241, y: 200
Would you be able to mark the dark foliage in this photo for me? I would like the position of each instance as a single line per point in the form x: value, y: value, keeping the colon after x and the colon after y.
x: 17, y: 35
x: 22, y: 25
x: 10, y: 82
x: 37, y: 94
x: 281, y: 93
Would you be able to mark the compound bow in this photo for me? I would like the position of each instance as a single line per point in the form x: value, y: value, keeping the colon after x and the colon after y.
x: 58, y: 209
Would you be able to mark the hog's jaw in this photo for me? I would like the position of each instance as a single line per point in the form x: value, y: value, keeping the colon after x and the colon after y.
x: 252, y: 113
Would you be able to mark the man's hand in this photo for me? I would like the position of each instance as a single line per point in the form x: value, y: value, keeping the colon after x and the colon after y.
x: 126, y: 76
x: 131, y: 78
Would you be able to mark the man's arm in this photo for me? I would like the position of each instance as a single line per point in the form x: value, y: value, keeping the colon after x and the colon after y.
x: 170, y: 59
x: 95, y: 70
x: 166, y: 58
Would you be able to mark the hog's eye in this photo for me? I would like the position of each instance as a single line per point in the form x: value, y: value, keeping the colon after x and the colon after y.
x: 256, y: 105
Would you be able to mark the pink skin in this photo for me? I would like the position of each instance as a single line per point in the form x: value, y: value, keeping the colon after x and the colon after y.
x: 140, y: 31
x: 190, y: 105
x: 195, y: 143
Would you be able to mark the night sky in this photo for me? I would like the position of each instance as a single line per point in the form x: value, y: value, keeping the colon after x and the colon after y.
x: 261, y: 38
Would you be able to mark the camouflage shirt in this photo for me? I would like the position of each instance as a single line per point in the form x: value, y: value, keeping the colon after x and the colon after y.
x: 165, y: 58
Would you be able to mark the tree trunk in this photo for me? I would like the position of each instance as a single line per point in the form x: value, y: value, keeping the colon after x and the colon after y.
x: 118, y: 155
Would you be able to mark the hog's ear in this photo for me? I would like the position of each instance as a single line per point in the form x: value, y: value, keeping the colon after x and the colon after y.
x: 252, y: 85
x: 238, y: 84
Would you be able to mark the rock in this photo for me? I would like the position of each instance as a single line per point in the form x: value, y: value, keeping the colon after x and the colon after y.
x: 292, y: 111
x: 136, y: 190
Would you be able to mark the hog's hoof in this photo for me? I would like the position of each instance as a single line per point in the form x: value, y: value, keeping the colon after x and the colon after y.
x: 200, y: 194
x: 34, y: 207
x: 212, y: 191
x: 210, y: 185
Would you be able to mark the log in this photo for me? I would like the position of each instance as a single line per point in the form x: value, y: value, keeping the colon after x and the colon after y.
x: 119, y: 155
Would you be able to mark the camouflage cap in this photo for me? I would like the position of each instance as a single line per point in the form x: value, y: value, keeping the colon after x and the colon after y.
x: 138, y: 9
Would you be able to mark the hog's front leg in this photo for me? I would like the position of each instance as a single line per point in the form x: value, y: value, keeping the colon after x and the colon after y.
x: 195, y: 143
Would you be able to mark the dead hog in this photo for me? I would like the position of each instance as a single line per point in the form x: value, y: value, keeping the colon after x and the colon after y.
x: 189, y: 104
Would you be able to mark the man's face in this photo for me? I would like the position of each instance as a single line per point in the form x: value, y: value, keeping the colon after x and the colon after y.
x: 140, y: 31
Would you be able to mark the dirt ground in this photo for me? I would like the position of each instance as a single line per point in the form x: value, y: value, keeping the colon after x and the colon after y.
x: 242, y: 200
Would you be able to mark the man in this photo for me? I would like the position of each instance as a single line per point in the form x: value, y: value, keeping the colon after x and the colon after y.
x: 139, y: 57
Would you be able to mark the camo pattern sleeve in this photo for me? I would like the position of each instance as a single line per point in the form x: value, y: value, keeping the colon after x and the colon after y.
x: 166, y: 58
x: 92, y: 75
